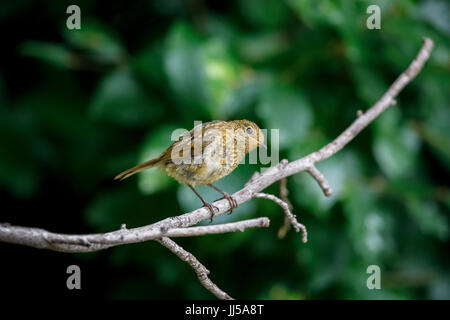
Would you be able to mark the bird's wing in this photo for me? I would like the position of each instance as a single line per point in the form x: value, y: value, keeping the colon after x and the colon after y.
x: 196, y: 141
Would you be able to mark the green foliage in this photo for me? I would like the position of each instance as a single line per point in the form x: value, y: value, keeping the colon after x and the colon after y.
x: 79, y: 106
x: 287, y: 109
x: 121, y: 99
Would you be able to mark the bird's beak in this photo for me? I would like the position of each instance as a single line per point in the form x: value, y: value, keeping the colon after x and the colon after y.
x: 261, y: 140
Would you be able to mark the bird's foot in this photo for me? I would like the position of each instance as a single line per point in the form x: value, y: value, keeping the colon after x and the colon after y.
x: 211, y: 209
x: 233, y: 203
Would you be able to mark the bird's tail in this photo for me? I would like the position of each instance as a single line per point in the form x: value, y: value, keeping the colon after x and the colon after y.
x: 146, y: 165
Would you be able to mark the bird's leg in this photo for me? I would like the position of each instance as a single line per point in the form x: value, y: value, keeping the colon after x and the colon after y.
x: 233, y: 203
x: 205, y: 204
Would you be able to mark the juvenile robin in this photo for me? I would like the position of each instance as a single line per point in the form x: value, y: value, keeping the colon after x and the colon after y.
x: 205, y: 154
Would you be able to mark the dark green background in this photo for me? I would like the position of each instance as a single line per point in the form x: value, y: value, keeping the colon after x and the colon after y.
x: 79, y: 106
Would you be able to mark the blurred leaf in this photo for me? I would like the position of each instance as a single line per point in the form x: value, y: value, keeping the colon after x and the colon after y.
x: 149, y: 63
x: 218, y: 26
x: 369, y: 84
x: 280, y: 292
x: 19, y: 170
x: 370, y: 226
x: 221, y: 76
x: 201, y: 73
x: 52, y: 53
x: 183, y: 65
x: 286, y: 109
x: 109, y: 209
x: 318, y: 12
x: 256, y: 12
x: 106, y: 212
x: 428, y: 217
x: 120, y: 99
x: 315, y: 140
x: 436, y: 13
x: 99, y: 40
x: 319, y: 276
x: 21, y: 181
x: 395, y: 146
x: 243, y: 97
x: 260, y: 47
x: 435, y: 132
x: 440, y: 289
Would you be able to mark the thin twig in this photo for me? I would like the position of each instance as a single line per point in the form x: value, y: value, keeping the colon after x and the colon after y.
x: 284, y: 192
x: 284, y: 195
x: 321, y: 180
x: 292, y: 219
x: 200, y: 269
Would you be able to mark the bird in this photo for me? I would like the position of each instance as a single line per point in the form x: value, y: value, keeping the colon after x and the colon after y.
x: 205, y: 154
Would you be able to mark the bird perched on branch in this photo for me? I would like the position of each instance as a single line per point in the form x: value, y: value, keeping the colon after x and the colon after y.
x: 205, y: 154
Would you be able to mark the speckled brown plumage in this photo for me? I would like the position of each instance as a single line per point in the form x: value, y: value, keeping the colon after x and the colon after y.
x: 209, y: 152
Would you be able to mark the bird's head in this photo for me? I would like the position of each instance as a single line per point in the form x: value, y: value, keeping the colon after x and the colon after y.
x: 249, y: 132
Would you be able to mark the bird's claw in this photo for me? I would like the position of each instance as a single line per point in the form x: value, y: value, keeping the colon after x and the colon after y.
x: 233, y: 203
x: 211, y: 208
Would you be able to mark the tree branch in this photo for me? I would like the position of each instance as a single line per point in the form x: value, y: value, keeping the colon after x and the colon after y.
x: 219, y: 228
x: 43, y: 239
x: 321, y: 180
x: 200, y: 269
x: 40, y: 238
x: 285, y: 206
x: 284, y: 195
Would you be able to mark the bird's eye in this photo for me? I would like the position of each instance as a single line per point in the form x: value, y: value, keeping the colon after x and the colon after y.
x: 249, y: 130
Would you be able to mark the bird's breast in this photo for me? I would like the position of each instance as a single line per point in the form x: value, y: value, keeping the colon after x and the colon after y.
x: 211, y: 166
